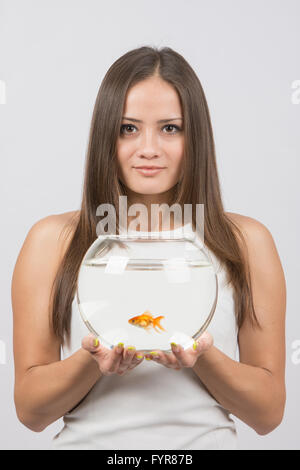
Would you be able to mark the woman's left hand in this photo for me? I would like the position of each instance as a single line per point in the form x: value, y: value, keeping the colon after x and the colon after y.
x: 180, y: 357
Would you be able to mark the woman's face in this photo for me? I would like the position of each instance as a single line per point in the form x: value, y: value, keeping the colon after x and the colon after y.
x: 144, y: 141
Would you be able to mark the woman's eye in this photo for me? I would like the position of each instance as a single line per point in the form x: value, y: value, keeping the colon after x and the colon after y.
x: 126, y: 126
x: 175, y: 127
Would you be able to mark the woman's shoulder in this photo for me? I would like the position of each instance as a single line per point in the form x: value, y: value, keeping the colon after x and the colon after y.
x: 41, y: 254
x: 55, y: 222
x: 257, y: 236
x: 246, y: 223
x: 54, y: 230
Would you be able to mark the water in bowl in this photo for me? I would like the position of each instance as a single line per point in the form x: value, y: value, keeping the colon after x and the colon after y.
x: 182, y: 294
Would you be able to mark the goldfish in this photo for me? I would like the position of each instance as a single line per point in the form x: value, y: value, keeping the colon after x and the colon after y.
x: 147, y: 321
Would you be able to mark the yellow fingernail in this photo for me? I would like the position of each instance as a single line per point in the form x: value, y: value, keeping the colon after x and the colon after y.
x: 131, y: 347
x: 195, y: 345
x: 139, y: 357
x: 154, y: 353
x: 173, y: 344
x: 120, y: 344
x: 95, y: 342
x: 148, y: 358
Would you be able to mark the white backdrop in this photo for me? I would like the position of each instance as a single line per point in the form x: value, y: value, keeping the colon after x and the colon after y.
x: 53, y: 56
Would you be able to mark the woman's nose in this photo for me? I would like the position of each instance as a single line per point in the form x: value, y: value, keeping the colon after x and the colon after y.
x: 149, y: 143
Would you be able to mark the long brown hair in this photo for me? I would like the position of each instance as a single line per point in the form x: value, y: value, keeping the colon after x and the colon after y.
x: 199, y: 185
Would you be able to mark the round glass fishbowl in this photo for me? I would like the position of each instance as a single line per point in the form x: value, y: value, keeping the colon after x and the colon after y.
x: 147, y: 291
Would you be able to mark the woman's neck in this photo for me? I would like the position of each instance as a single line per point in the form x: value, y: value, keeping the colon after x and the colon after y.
x: 152, y: 219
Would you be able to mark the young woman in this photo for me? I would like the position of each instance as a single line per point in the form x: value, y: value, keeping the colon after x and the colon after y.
x: 150, y: 111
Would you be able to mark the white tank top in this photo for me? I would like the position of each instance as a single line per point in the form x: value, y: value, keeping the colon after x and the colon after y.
x: 152, y: 406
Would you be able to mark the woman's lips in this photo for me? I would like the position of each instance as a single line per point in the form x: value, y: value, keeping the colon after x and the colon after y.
x: 149, y: 171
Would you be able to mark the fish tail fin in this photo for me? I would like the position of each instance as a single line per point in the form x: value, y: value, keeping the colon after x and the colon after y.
x: 156, y: 322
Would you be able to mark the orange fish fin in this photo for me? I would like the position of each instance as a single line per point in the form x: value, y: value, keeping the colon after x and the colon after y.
x: 156, y: 322
x: 158, y: 331
x: 147, y: 314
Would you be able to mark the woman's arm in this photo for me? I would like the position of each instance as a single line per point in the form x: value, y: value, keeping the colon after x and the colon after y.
x: 45, y: 393
x: 45, y: 387
x: 254, y: 388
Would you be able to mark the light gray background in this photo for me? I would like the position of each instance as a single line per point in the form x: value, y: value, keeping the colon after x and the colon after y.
x: 53, y: 56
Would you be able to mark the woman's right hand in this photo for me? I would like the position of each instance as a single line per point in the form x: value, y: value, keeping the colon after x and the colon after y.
x: 118, y: 360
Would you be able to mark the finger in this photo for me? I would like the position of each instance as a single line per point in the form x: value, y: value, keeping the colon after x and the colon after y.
x: 154, y: 356
x: 90, y: 343
x: 130, y: 360
x: 167, y: 360
x: 136, y: 360
x: 129, y: 354
x: 180, y: 354
x: 116, y: 358
x: 203, y: 343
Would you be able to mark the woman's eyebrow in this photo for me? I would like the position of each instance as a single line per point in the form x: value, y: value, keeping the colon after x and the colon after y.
x: 161, y: 120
